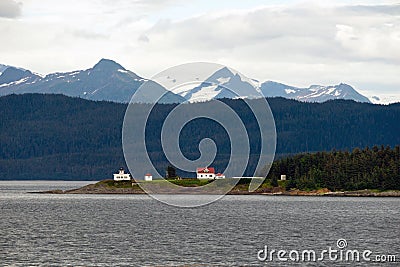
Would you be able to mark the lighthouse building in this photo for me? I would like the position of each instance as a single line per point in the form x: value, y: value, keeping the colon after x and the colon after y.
x: 122, y: 176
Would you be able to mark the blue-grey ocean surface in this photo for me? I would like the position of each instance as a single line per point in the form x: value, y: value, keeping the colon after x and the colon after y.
x: 135, y: 230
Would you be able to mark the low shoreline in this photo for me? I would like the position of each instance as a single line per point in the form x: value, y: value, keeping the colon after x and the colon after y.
x: 128, y: 188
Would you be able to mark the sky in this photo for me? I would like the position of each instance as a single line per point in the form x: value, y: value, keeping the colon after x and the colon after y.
x: 298, y: 43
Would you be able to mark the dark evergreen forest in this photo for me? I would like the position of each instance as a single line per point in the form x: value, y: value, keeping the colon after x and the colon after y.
x: 59, y: 137
x: 368, y: 168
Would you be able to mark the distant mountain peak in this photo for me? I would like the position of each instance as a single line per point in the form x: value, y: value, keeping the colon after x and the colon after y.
x: 107, y: 65
x: 344, y: 86
x: 314, y: 93
x: 106, y: 80
x: 224, y: 72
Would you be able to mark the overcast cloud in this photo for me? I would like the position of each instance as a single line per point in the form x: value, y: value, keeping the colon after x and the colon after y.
x: 10, y: 9
x: 295, y: 43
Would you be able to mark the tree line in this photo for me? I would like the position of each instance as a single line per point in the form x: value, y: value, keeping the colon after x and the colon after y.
x: 368, y: 168
x: 59, y: 137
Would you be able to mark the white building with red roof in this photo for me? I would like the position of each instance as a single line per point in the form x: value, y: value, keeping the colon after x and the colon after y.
x: 148, y: 177
x: 205, y: 173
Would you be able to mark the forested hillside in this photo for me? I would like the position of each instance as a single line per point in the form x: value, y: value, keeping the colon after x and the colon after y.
x: 369, y: 168
x: 58, y: 137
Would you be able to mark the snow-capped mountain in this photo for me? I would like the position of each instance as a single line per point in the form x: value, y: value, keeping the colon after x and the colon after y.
x: 224, y: 83
x: 314, y: 93
x: 108, y: 80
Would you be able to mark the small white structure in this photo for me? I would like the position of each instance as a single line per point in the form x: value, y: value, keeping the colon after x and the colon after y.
x: 219, y: 176
x: 122, y: 176
x: 148, y: 177
x: 283, y: 177
x: 205, y: 173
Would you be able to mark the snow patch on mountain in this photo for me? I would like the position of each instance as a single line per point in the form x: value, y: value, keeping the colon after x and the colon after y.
x: 290, y: 91
x: 223, y: 80
x: 206, y: 93
x: 15, y: 82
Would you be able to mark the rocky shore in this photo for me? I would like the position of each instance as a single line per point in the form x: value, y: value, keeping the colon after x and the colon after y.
x: 111, y: 187
x: 103, y: 187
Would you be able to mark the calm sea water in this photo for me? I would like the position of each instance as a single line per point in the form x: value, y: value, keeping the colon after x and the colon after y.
x: 135, y: 230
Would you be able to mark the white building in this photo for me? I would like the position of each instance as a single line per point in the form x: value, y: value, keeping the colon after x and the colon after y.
x: 122, y: 176
x: 205, y: 173
x: 283, y: 177
x: 219, y: 176
x: 148, y: 177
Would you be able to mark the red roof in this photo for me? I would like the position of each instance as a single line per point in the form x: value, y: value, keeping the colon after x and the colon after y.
x: 206, y: 170
x: 148, y: 174
x: 219, y: 174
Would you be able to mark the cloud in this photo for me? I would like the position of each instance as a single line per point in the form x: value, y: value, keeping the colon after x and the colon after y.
x: 297, y: 43
x: 393, y: 9
x: 142, y: 5
x: 143, y: 38
x: 10, y: 9
x: 312, y: 33
x: 85, y: 34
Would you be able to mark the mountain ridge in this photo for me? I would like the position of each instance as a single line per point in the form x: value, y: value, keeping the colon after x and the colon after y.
x: 314, y: 93
x: 110, y: 81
